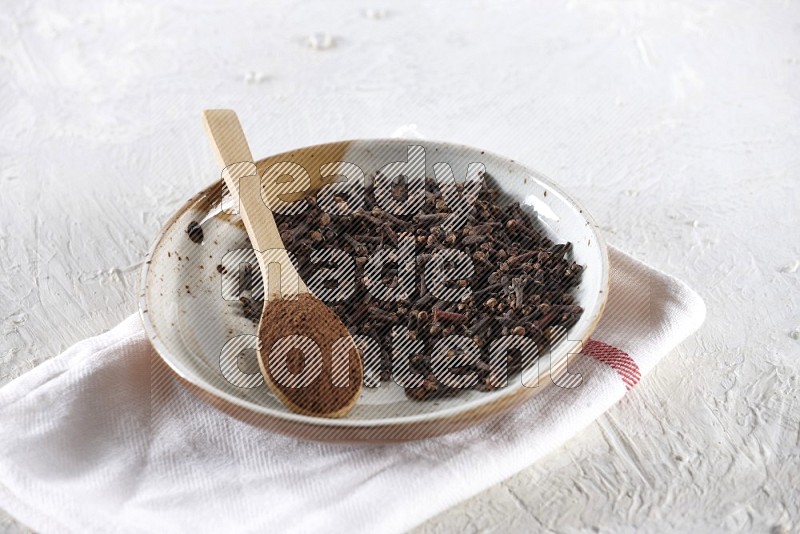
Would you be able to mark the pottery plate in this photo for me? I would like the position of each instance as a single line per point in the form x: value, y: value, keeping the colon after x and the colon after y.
x: 189, y: 315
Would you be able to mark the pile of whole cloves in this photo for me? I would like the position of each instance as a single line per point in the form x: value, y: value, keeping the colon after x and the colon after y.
x: 521, y: 282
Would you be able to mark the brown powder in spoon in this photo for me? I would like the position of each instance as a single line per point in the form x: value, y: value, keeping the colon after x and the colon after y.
x: 284, y: 361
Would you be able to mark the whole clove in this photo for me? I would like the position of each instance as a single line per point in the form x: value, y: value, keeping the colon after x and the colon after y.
x: 195, y: 232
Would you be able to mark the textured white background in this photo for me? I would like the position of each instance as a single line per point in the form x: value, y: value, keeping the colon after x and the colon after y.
x: 677, y: 124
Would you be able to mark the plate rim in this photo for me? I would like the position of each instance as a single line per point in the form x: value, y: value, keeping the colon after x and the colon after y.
x: 502, y: 397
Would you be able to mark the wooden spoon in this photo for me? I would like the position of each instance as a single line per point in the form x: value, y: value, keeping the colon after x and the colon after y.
x: 307, y: 356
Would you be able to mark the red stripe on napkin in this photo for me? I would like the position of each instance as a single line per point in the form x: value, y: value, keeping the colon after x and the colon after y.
x: 618, y: 360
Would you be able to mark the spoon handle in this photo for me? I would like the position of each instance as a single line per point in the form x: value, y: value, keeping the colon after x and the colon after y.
x: 241, y: 177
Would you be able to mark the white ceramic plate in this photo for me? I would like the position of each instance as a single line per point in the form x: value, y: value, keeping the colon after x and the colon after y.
x: 188, y: 320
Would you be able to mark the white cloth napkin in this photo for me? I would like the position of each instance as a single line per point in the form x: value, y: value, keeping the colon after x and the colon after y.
x: 83, y: 447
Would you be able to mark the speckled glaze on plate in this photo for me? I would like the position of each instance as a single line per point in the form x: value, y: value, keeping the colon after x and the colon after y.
x: 188, y: 321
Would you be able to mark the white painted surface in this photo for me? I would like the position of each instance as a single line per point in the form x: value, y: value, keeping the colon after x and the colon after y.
x: 677, y: 124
